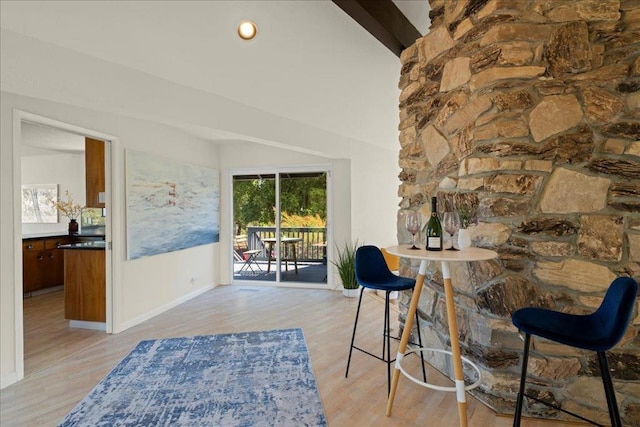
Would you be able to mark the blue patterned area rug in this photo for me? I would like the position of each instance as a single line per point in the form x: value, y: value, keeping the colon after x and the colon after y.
x: 241, y: 379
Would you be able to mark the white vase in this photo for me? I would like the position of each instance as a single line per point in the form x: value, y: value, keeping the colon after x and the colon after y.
x: 464, y: 238
x: 351, y: 293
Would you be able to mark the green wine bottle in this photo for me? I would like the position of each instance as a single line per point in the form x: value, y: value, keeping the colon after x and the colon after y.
x: 434, y: 229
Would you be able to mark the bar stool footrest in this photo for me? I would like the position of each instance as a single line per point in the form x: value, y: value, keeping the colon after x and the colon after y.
x: 434, y: 386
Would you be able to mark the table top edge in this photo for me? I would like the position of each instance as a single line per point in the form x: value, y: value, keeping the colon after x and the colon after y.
x: 467, y: 254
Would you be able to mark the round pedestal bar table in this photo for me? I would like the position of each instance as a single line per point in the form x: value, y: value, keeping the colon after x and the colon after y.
x: 445, y: 257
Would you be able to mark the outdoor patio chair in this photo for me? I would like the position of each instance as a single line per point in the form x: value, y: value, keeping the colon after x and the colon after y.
x: 242, y: 253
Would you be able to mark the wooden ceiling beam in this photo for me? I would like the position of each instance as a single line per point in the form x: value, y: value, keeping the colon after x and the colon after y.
x: 383, y: 20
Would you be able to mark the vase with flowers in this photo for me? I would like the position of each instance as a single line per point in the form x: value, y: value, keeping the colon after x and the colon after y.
x: 69, y: 209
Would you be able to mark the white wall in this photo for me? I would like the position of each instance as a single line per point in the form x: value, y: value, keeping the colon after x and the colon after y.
x: 47, y: 80
x: 374, y: 194
x: 141, y: 288
x: 246, y: 155
x: 46, y: 71
x: 65, y: 170
x: 8, y: 363
x: 365, y: 201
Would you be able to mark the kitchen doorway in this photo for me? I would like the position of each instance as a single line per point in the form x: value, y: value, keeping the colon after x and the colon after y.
x: 53, y: 153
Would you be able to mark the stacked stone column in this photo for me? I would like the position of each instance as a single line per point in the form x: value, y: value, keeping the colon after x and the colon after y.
x: 529, y: 110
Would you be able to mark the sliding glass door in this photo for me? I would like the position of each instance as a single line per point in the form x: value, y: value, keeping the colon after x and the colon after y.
x: 254, y: 201
x: 280, y: 227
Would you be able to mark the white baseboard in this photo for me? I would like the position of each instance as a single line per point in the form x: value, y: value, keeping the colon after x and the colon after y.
x: 83, y: 324
x: 150, y: 314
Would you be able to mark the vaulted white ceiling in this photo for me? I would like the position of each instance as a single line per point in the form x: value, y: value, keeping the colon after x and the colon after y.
x: 310, y: 63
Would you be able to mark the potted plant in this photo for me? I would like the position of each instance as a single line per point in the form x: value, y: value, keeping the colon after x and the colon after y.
x: 468, y: 216
x: 345, y: 262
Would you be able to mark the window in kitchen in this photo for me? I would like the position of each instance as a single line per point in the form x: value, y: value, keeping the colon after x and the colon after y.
x: 92, y: 221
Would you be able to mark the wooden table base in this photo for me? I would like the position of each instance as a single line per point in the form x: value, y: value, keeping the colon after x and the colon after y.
x: 444, y: 257
x: 453, y: 334
x: 406, y: 333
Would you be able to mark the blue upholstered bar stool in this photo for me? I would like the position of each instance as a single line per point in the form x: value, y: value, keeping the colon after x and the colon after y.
x: 372, y: 272
x: 598, y: 331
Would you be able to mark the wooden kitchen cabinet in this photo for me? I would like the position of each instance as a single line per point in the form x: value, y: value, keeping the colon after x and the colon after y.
x: 43, y: 263
x: 94, y: 172
x: 33, y: 265
x: 85, y: 288
x: 55, y: 259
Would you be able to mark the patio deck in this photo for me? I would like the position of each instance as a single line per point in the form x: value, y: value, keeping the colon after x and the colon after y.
x: 308, y: 272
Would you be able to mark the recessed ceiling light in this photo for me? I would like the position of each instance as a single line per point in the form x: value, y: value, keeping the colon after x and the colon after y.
x: 247, y: 30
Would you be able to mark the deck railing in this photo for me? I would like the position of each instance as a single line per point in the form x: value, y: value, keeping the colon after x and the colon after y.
x: 312, y: 246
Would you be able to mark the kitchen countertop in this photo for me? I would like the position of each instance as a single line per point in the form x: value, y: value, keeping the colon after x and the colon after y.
x: 59, y: 234
x: 97, y: 245
x: 44, y: 235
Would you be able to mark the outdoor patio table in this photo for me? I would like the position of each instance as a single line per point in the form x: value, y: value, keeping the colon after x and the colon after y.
x: 445, y: 257
x: 291, y: 249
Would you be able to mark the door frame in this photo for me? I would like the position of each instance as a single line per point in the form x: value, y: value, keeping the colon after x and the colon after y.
x: 111, y: 143
x: 328, y: 169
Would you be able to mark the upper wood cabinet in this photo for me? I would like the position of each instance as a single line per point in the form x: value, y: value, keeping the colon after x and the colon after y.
x: 94, y: 167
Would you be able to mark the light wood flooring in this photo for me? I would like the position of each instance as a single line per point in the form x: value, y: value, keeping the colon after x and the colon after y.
x: 63, y: 365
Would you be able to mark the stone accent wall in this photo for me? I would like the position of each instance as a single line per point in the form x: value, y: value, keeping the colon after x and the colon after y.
x: 529, y: 110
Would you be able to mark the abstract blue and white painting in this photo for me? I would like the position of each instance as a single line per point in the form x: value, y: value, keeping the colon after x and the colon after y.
x: 170, y: 205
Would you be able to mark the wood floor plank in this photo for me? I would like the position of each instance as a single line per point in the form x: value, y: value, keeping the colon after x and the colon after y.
x: 63, y: 365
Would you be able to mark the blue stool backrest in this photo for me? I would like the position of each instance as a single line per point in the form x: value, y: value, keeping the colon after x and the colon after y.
x: 371, y: 266
x: 615, y: 312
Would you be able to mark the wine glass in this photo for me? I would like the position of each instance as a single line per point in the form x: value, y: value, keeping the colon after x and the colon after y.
x: 413, y: 222
x: 451, y: 222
